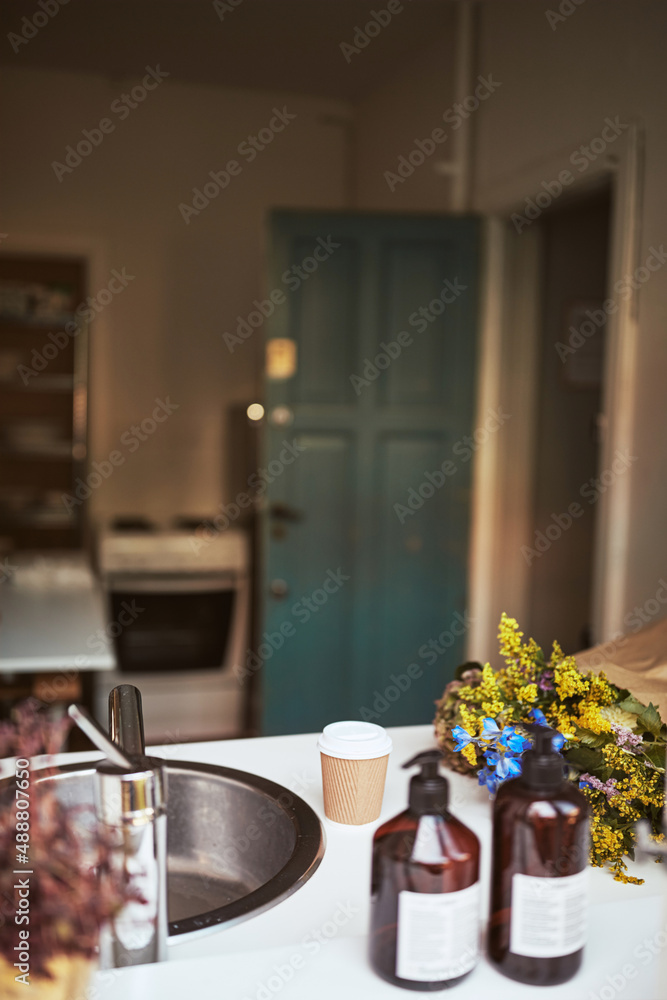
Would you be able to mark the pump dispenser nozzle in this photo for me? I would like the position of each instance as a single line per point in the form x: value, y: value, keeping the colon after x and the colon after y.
x: 542, y: 765
x: 429, y: 791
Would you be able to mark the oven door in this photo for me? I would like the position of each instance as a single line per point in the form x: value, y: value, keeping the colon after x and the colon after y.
x: 172, y: 621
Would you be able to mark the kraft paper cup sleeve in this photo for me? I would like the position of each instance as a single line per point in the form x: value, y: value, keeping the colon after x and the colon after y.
x: 354, y: 758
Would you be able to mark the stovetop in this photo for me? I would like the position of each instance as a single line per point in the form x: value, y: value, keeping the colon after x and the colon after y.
x: 172, y: 550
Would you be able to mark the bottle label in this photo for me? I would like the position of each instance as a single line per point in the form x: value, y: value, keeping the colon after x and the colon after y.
x: 438, y: 934
x: 549, y: 915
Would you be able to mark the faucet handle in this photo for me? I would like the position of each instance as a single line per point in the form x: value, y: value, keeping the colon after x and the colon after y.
x: 96, y: 735
x: 126, y: 720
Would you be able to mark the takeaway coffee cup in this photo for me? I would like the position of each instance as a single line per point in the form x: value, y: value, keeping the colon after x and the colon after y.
x: 354, y: 759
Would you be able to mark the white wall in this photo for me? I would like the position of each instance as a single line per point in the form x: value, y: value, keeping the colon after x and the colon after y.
x: 558, y: 86
x: 391, y: 117
x: 162, y: 335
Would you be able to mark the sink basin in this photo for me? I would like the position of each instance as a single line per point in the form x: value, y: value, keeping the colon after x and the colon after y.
x: 237, y: 843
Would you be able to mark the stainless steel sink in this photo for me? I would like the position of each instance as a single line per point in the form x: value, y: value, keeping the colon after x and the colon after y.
x: 237, y: 843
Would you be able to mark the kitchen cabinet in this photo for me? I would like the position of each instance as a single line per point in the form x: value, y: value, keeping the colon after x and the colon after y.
x: 43, y: 401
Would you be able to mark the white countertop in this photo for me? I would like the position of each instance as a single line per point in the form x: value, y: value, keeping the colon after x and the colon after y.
x: 257, y: 959
x: 53, y: 629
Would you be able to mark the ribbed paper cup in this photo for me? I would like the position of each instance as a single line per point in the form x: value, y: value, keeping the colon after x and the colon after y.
x: 354, y: 759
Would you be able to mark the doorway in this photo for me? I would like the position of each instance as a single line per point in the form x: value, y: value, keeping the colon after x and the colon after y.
x: 567, y: 463
x: 504, y: 478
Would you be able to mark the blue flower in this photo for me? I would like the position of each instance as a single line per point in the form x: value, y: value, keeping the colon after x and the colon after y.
x: 490, y: 731
x: 513, y: 740
x: 538, y: 715
x: 489, y: 778
x: 502, y: 748
x: 506, y: 765
x: 462, y: 737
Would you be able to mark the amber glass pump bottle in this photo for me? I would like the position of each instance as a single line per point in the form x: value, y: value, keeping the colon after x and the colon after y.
x: 425, y: 889
x: 537, y: 926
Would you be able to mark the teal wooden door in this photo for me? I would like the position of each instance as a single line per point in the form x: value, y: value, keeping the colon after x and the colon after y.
x: 369, y: 409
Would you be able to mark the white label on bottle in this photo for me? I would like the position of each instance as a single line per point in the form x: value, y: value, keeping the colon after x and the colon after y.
x: 438, y: 934
x: 549, y: 915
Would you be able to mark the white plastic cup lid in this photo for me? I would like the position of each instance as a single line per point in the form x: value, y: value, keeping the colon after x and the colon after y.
x: 354, y: 741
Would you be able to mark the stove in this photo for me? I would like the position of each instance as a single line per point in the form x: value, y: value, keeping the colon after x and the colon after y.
x: 178, y: 607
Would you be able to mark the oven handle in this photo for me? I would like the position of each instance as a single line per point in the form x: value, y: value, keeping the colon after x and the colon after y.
x: 173, y: 584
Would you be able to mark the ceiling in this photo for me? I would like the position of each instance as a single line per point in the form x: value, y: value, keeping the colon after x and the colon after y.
x: 290, y: 45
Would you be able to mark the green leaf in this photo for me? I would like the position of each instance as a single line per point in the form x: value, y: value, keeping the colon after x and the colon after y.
x: 655, y: 753
x: 630, y: 704
x: 590, y: 739
x: 649, y: 721
x: 585, y: 759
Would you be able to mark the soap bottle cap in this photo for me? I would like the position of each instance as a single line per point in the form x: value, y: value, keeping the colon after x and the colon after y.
x: 429, y: 791
x: 542, y: 765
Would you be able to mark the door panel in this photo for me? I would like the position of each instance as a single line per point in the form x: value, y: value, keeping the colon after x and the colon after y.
x: 326, y: 302
x: 412, y: 273
x: 410, y: 558
x: 370, y: 556
x: 314, y: 623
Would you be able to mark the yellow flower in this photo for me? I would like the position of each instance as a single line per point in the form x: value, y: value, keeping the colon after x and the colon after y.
x: 556, y: 652
x: 641, y: 785
x: 468, y: 752
x: 621, y: 874
x: 491, y: 696
x: 510, y: 638
x: 591, y: 718
x: 489, y: 678
x: 607, y: 847
x: 559, y: 718
x: 527, y: 693
x: 470, y: 722
x: 569, y: 682
x: 601, y: 690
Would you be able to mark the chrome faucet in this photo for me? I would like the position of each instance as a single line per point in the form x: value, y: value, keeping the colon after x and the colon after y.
x: 130, y: 800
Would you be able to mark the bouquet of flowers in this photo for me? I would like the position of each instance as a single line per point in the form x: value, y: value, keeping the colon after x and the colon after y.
x: 614, y: 745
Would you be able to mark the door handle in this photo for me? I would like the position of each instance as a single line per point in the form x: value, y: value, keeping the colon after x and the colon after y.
x: 278, y: 589
x: 283, y: 512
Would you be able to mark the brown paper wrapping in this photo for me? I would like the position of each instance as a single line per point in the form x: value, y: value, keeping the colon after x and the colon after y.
x: 636, y: 661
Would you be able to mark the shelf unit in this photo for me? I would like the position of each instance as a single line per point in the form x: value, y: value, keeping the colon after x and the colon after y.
x: 43, y: 401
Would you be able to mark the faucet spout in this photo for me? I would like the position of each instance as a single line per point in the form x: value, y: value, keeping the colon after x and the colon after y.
x: 126, y: 720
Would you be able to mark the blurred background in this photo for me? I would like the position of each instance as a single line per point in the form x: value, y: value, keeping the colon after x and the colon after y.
x: 327, y: 333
